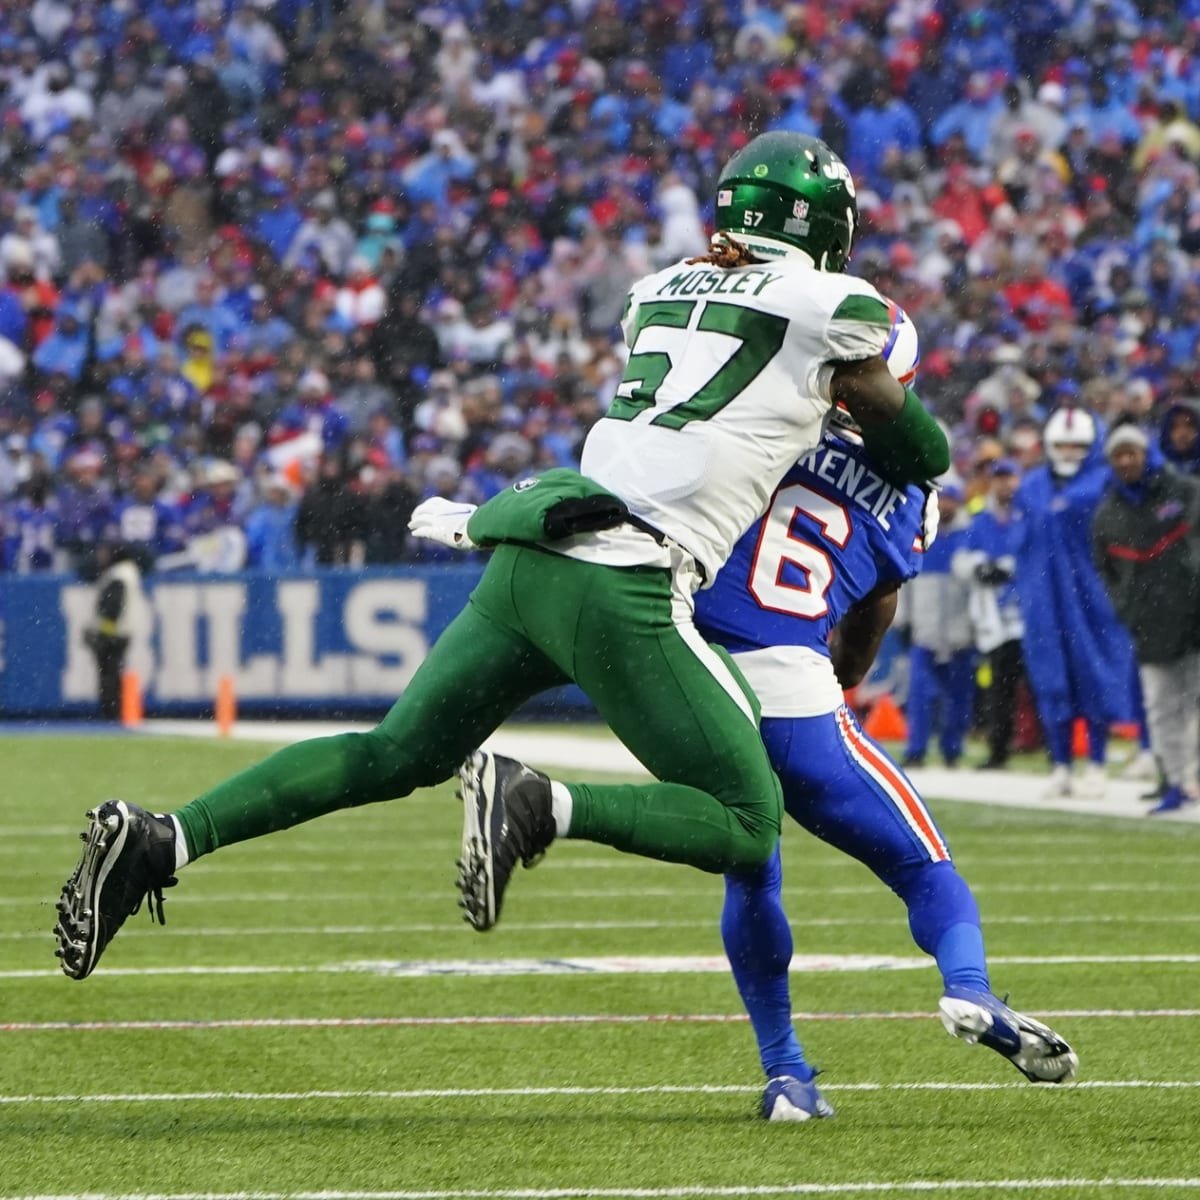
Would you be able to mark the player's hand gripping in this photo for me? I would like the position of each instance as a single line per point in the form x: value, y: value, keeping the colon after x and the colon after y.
x: 443, y: 521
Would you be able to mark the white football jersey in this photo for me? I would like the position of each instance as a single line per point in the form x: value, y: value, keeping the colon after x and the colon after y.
x: 727, y: 384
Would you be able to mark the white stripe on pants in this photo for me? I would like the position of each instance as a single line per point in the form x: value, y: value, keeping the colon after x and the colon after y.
x: 1172, y: 696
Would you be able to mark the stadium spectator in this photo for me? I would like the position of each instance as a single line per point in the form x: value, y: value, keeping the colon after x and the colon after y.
x: 1078, y: 658
x: 363, y: 396
x: 1146, y: 543
x: 933, y: 609
x: 147, y: 523
x: 390, y: 502
x: 15, y: 467
x: 85, y: 508
x: 360, y: 299
x: 324, y: 236
x: 1180, y: 436
x: 331, y: 521
x: 986, y: 564
x: 32, y: 521
x: 213, y: 516
x: 271, y: 528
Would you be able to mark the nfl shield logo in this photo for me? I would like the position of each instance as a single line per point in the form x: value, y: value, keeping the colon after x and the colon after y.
x: 724, y: 198
x: 800, y: 209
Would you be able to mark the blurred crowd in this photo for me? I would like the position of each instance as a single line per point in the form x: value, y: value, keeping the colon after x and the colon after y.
x: 273, y: 271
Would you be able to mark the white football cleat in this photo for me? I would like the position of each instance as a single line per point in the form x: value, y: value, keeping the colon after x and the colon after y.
x: 787, y: 1098
x: 1058, y: 785
x: 1142, y: 766
x: 1033, y: 1048
x: 1092, y: 782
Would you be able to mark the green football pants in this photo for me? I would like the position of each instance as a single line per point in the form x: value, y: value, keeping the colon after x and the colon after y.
x: 536, y: 620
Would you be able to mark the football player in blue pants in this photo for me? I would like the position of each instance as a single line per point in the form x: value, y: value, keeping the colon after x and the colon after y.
x: 828, y: 558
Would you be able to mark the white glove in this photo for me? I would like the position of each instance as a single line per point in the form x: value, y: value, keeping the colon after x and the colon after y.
x: 443, y: 521
x: 929, y: 519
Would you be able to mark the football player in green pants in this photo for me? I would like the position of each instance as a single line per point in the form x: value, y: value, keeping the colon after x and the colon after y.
x: 735, y: 362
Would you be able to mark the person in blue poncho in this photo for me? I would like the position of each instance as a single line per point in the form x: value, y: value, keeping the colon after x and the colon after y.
x: 1078, y: 656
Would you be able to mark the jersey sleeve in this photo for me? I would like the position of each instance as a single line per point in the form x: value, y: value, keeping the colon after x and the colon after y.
x: 629, y: 313
x: 859, y: 325
x: 899, y: 551
x: 628, y: 318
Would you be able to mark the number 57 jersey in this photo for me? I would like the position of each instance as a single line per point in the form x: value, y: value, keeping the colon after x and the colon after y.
x: 726, y: 385
x: 835, y: 530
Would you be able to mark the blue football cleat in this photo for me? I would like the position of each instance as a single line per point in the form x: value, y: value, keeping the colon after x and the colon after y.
x: 786, y: 1098
x: 1033, y: 1048
x: 1173, y: 799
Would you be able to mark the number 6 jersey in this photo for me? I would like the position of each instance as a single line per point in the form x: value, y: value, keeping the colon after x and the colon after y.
x: 834, y: 531
x: 727, y: 384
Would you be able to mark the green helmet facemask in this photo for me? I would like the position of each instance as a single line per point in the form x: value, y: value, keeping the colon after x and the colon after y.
x: 789, y: 190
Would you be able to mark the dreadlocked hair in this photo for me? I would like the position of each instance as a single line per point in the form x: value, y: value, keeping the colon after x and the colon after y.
x: 725, y: 252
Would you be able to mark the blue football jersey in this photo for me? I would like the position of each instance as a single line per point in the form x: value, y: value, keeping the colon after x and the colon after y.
x: 834, y: 530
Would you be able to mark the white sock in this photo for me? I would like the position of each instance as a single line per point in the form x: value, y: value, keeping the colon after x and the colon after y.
x: 181, y: 849
x: 561, y: 805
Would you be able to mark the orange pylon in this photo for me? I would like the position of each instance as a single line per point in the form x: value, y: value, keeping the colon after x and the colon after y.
x: 131, y: 699
x: 225, y: 709
x: 1079, y: 739
x: 885, y: 722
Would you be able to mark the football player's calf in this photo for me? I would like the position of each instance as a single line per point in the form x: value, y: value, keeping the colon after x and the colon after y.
x: 128, y: 854
x: 1033, y: 1048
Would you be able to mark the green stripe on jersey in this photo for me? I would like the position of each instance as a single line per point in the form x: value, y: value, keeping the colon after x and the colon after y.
x: 869, y: 309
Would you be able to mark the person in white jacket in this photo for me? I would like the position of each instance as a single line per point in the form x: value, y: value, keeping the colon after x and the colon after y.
x: 985, y: 563
x: 933, y: 607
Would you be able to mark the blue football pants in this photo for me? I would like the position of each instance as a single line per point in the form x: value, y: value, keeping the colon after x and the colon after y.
x: 845, y: 789
x: 940, y: 696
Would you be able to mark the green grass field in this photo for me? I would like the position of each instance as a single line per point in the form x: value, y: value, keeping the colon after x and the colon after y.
x: 282, y: 1065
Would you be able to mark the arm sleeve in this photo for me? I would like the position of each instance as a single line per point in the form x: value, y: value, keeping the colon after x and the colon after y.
x: 912, y: 447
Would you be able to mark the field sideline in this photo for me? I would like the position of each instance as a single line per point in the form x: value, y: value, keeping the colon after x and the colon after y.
x: 315, y: 1021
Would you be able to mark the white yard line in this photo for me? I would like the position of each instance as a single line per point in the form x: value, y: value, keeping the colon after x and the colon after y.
x: 438, y: 895
x: 447, y: 927
x: 540, y: 1021
x: 603, y: 965
x: 679, y: 1192
x: 567, y: 858
x: 704, y: 1089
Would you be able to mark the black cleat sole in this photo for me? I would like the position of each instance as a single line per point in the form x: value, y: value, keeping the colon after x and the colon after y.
x: 77, y: 930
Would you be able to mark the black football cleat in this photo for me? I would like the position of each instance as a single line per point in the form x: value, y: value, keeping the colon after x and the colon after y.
x: 129, y: 854
x: 507, y: 818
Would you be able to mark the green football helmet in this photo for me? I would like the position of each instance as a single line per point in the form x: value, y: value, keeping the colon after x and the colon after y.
x: 789, y: 190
